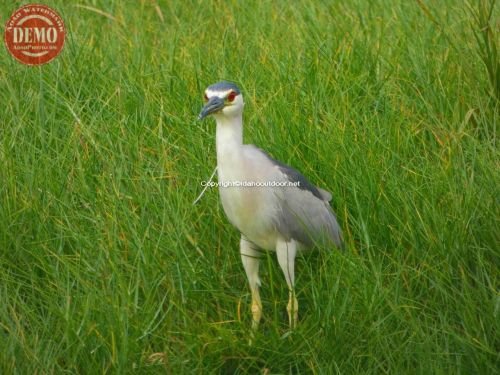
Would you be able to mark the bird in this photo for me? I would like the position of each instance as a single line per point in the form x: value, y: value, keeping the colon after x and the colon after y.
x: 274, y: 207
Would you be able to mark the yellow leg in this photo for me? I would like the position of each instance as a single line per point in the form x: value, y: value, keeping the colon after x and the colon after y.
x: 250, y: 258
x: 286, y: 252
x: 256, y: 308
x: 293, y: 310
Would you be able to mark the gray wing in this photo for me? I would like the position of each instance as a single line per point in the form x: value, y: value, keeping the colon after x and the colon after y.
x: 304, y: 213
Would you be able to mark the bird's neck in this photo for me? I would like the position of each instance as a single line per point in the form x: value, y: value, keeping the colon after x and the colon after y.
x: 229, y: 137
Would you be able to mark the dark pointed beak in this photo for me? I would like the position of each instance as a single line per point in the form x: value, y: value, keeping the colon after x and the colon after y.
x: 213, y: 105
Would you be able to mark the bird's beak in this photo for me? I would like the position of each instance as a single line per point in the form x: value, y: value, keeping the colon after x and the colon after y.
x: 213, y: 105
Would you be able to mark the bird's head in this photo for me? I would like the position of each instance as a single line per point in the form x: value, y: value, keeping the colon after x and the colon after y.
x: 222, y: 99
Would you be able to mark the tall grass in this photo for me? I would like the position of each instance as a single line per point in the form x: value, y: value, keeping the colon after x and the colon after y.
x: 106, y: 266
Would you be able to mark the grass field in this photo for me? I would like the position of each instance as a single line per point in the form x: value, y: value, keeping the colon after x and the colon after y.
x: 393, y: 106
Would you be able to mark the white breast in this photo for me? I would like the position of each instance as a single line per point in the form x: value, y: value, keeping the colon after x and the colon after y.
x: 250, y: 209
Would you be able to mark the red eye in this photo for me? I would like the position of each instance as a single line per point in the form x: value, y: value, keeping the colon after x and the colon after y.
x: 231, y: 96
x: 205, y: 97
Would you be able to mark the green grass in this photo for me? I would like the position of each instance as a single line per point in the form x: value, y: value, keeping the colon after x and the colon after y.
x: 107, y: 267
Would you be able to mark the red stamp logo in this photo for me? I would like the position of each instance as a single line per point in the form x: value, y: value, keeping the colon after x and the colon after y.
x: 34, y: 34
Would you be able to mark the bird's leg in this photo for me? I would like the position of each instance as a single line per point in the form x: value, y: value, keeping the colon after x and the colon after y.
x: 250, y: 258
x: 286, y: 252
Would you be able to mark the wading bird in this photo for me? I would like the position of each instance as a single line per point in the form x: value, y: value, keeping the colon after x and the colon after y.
x: 273, y: 205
